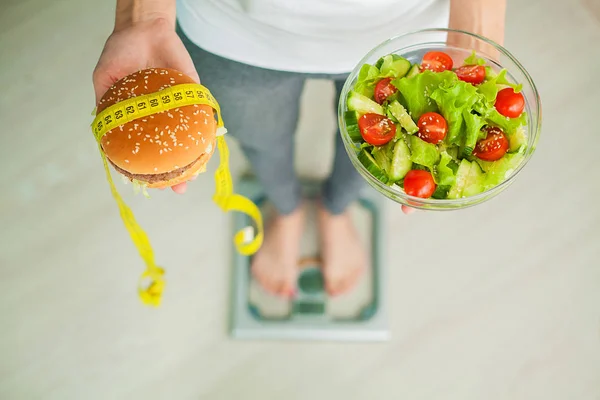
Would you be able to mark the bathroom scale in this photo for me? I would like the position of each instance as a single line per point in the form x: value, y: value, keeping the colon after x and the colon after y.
x: 358, y: 315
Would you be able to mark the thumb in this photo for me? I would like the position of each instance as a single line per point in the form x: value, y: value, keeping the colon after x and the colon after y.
x: 180, y: 60
x: 188, y: 68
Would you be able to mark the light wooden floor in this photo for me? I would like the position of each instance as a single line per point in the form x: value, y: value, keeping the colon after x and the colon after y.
x: 501, y: 301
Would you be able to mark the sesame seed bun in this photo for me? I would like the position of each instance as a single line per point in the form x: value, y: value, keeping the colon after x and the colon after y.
x: 165, y: 148
x: 170, y: 178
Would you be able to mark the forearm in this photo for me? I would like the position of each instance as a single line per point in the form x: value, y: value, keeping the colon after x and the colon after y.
x: 130, y: 12
x: 483, y: 17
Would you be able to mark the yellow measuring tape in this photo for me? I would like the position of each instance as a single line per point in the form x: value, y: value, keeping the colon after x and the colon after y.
x: 152, y: 281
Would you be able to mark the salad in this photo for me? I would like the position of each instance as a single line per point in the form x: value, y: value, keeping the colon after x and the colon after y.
x: 435, y: 130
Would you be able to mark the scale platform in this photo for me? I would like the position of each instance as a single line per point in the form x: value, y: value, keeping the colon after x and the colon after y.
x: 359, y: 315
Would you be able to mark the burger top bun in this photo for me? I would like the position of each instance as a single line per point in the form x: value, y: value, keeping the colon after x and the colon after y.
x: 163, y: 142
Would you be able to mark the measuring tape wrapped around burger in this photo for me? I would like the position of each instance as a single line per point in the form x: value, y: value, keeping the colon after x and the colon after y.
x: 158, y: 128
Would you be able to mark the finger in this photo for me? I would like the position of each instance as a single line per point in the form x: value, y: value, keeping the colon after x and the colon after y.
x: 462, y: 41
x: 104, y: 78
x: 180, y: 188
x: 408, y: 210
x: 102, y: 82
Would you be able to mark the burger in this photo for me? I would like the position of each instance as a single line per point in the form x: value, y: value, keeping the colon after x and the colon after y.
x: 165, y: 148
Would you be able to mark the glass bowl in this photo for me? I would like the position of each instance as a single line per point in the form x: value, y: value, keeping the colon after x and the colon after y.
x: 412, y: 46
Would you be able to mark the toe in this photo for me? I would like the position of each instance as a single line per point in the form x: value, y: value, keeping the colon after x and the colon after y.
x: 281, y: 290
x: 287, y: 288
x: 260, y: 277
x: 351, y: 280
x: 346, y: 283
x: 345, y: 286
x: 332, y: 286
x: 270, y: 285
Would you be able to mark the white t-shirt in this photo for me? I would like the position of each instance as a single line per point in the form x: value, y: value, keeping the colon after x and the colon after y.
x: 312, y: 36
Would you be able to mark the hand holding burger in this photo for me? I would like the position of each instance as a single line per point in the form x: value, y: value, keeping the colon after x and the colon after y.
x: 140, y: 41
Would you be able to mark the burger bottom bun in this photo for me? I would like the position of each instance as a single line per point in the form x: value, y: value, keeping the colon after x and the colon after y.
x: 197, y: 167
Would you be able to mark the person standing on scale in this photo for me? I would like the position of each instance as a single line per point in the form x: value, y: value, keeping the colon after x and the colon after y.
x: 254, y: 56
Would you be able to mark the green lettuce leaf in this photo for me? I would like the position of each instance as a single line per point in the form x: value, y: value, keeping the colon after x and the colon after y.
x: 441, y: 192
x: 497, y: 172
x: 140, y: 186
x: 420, y: 167
x: 489, y: 113
x: 474, y: 60
x: 367, y: 72
x: 445, y: 172
x: 508, y: 125
x: 366, y: 80
x: 489, y: 89
x: 501, y: 80
x: 453, y: 99
x: 417, y: 90
x: 422, y: 152
x: 473, y: 132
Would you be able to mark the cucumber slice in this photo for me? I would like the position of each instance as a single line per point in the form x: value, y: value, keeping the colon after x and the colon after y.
x: 371, y: 165
x: 400, y: 113
x: 351, y: 118
x: 379, y: 153
x: 394, y: 65
x: 388, y: 148
x: 401, y: 162
x: 475, y: 182
x: 518, y: 140
x: 362, y: 104
x: 461, y: 178
x: 413, y: 71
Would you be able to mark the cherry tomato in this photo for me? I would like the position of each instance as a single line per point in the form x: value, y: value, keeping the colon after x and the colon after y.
x: 493, y: 147
x: 419, y: 183
x: 474, y: 74
x: 376, y: 129
x: 509, y: 103
x: 436, y: 61
x: 432, y: 127
x: 384, y: 89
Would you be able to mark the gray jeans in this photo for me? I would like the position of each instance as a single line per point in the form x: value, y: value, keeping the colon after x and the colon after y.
x: 260, y: 107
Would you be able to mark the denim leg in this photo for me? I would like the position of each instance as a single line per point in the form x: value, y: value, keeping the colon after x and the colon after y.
x: 344, y: 184
x: 260, y: 109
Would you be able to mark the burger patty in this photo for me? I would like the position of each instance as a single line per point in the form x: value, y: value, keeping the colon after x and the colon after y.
x: 153, y: 178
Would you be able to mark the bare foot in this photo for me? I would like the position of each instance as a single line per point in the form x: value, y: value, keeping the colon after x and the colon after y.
x: 275, y: 265
x: 342, y: 252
